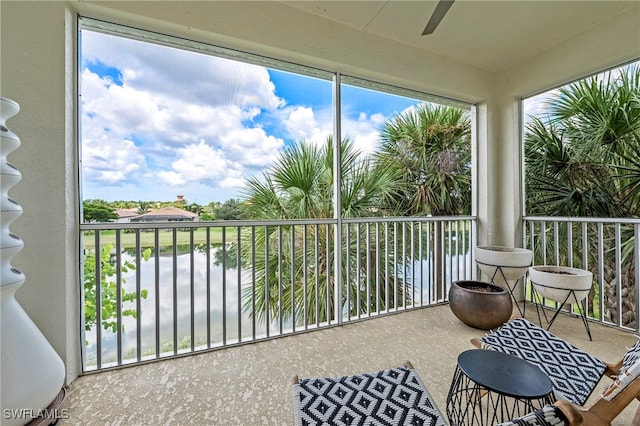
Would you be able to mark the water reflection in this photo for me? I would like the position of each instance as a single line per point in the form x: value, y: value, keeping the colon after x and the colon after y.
x: 178, y: 286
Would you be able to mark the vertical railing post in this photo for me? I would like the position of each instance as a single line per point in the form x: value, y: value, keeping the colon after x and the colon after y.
x: 601, y: 280
x: 347, y: 265
x: 253, y: 282
x: 421, y: 257
x: 118, y: 298
x: 292, y: 281
x: 192, y: 284
x: 378, y: 251
x: 618, y: 261
x: 305, y: 268
x: 138, y: 301
x: 368, y: 266
x: 156, y: 277
x: 267, y: 286
x: 337, y: 198
x: 569, y: 244
x: 174, y: 270
x: 636, y: 252
x: 208, y: 284
x: 239, y: 278
x: 98, y: 265
x: 224, y: 285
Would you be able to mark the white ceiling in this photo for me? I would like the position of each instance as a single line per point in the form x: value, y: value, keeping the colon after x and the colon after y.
x: 490, y: 35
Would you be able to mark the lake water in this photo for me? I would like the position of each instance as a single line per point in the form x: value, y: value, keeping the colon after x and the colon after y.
x: 182, y: 268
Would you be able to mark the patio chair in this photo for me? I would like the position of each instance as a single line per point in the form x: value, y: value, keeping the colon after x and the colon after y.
x: 392, y: 397
x: 574, y: 373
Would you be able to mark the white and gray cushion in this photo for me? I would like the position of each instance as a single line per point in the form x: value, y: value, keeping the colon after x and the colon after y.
x: 631, y: 357
x: 549, y: 415
x: 573, y: 372
x: 629, y: 371
x: 389, y: 397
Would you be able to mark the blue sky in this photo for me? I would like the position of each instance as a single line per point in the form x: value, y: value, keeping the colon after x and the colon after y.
x: 158, y: 121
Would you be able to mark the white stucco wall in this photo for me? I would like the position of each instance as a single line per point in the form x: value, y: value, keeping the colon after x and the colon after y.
x: 37, y: 70
x: 609, y: 45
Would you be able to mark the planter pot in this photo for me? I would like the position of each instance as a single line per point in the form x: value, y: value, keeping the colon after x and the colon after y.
x: 512, y: 261
x: 479, y: 304
x: 556, y: 282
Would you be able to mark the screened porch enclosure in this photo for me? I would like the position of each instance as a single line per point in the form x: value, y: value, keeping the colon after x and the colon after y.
x: 516, y: 61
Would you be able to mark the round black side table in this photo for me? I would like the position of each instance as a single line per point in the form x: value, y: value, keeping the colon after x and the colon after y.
x: 490, y: 387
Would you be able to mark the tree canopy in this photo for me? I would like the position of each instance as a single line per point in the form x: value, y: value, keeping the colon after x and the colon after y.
x: 583, y: 159
x: 98, y: 211
x: 427, y: 150
x: 299, y: 185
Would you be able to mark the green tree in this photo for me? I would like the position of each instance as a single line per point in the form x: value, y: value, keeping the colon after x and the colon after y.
x: 583, y: 160
x: 97, y: 211
x: 108, y: 289
x: 143, y: 207
x: 207, y: 217
x: 299, y: 185
x: 194, y: 208
x: 232, y: 209
x: 427, y: 150
x: 123, y: 204
x: 209, y: 211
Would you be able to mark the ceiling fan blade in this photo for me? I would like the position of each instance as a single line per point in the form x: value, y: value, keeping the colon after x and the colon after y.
x: 441, y: 10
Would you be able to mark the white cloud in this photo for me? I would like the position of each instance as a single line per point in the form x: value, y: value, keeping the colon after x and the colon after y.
x: 201, y: 163
x: 154, y: 114
x: 363, y: 132
x: 301, y: 124
x: 193, y: 77
x: 110, y: 158
x: 251, y: 146
x: 536, y: 106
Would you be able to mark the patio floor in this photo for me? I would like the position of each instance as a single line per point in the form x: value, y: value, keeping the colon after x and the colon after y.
x: 251, y: 384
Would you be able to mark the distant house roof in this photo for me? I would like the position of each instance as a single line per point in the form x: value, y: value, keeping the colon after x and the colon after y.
x: 126, y: 213
x: 167, y: 213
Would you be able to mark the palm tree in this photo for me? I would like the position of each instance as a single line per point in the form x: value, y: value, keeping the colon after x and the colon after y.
x: 143, y: 207
x: 291, y: 283
x: 583, y: 159
x: 427, y: 151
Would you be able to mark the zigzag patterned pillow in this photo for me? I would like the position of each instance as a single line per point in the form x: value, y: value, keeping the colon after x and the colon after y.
x: 389, y: 397
x: 573, y: 372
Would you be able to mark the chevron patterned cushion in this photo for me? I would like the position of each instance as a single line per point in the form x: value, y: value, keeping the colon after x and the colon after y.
x: 573, y: 372
x: 389, y: 397
x: 549, y: 415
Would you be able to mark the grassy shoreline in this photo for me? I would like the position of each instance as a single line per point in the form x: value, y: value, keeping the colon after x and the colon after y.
x: 165, y: 238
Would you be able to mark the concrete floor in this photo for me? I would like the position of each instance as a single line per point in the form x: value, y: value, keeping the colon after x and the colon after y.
x: 251, y: 384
